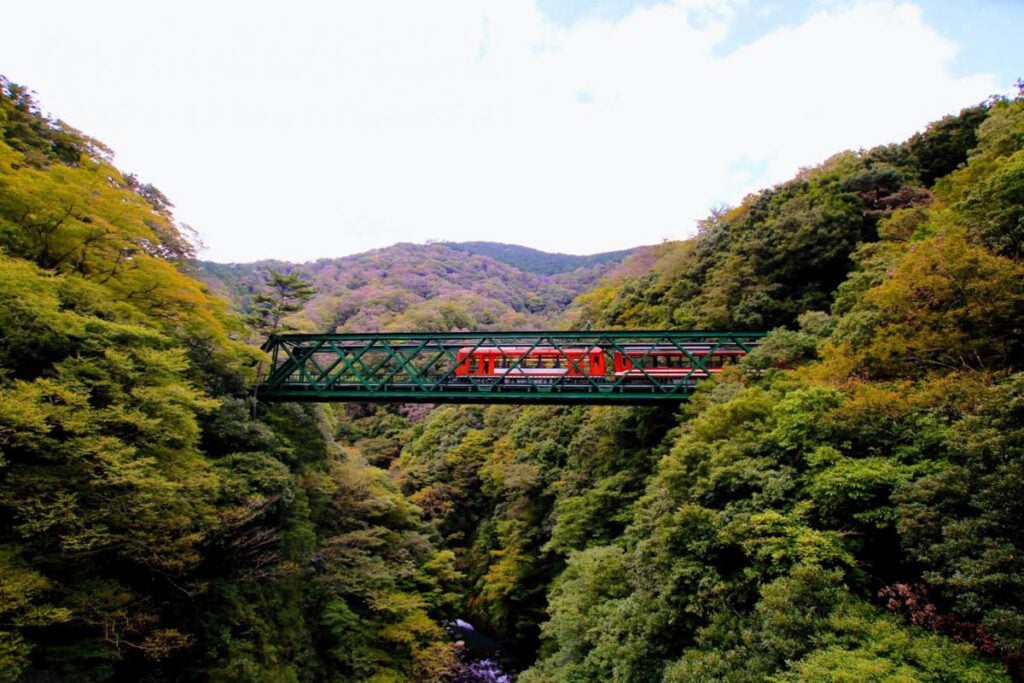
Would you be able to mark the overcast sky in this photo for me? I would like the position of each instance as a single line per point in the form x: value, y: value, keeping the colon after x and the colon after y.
x: 306, y: 130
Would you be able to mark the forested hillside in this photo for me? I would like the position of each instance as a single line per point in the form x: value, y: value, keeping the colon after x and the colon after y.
x: 424, y: 288
x: 848, y: 519
x: 152, y: 528
x: 535, y: 261
x: 842, y: 506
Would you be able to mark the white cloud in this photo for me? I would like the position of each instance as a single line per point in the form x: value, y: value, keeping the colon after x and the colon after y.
x: 331, y: 128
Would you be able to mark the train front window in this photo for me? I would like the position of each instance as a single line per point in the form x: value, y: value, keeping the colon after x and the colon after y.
x: 474, y: 366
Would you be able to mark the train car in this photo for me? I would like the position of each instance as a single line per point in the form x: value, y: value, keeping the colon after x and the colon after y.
x: 642, y: 363
x: 634, y: 366
x: 525, y: 364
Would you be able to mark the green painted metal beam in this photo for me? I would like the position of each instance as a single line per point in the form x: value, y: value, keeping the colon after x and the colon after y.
x: 421, y: 367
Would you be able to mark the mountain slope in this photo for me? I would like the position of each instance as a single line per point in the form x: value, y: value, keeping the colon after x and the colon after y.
x: 853, y: 516
x: 414, y: 287
x: 152, y: 526
x: 534, y: 260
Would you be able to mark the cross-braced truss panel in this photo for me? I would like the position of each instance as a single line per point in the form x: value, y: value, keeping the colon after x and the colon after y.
x: 498, y: 367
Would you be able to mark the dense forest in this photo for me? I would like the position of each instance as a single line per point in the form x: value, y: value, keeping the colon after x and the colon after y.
x: 425, y: 288
x: 841, y: 506
x: 534, y: 261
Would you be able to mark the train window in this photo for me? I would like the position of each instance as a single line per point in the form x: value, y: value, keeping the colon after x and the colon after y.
x: 473, y: 365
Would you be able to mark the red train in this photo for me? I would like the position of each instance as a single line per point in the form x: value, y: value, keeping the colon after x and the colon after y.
x: 635, y: 363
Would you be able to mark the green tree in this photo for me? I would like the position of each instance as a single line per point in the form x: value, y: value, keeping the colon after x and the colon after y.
x: 283, y: 294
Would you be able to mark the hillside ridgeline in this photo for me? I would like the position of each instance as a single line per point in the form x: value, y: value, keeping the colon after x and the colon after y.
x: 536, y: 261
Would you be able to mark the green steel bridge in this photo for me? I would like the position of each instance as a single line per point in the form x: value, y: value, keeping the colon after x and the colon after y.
x: 526, y: 367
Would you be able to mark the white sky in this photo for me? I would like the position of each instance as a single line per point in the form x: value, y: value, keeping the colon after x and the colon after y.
x: 318, y: 129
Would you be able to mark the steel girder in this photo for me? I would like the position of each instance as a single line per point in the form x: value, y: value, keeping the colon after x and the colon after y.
x: 420, y: 367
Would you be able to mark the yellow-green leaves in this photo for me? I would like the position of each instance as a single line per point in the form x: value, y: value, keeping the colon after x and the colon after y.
x: 947, y: 304
x: 23, y: 603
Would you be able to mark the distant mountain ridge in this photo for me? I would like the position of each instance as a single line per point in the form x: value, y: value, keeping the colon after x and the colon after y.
x: 428, y: 287
x: 535, y: 260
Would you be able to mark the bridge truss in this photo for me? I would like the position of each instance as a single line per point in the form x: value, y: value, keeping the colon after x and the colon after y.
x: 423, y: 367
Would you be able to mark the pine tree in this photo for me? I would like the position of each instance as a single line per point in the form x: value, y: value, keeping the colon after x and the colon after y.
x: 284, y: 294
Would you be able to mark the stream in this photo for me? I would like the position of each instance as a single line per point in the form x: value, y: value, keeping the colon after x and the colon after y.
x: 481, y: 655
